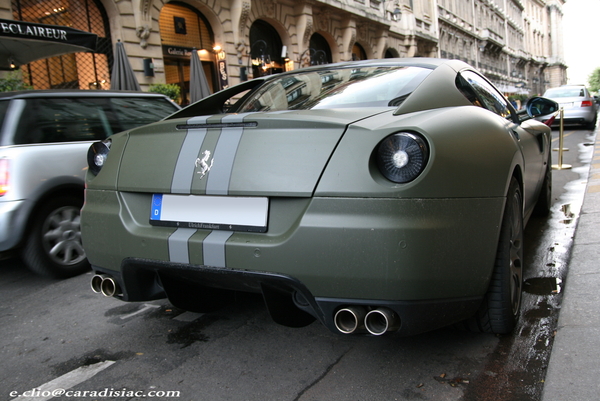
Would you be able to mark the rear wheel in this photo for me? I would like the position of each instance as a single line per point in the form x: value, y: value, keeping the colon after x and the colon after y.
x: 544, y: 202
x: 501, y: 306
x: 591, y: 125
x: 53, y: 246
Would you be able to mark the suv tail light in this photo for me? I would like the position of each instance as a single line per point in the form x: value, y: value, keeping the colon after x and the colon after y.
x: 3, y: 176
x: 586, y: 103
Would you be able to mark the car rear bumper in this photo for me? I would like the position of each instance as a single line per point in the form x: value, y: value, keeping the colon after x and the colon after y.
x: 359, y: 248
x: 11, y: 226
x: 284, y: 296
x: 579, y: 115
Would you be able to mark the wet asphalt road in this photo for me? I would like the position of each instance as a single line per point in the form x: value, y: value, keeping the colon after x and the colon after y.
x: 61, y: 331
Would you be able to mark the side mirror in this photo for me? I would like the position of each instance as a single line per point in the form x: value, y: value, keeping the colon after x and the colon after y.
x: 540, y: 106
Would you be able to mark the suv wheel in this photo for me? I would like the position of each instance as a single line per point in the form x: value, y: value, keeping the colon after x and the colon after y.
x: 53, y: 246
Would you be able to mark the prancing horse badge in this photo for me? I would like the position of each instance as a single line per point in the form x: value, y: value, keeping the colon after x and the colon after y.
x: 202, y: 163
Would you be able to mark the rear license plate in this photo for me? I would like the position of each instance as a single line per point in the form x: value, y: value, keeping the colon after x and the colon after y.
x: 210, y: 212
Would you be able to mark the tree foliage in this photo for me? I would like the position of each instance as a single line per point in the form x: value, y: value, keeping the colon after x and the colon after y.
x: 170, y: 90
x: 13, y: 82
x: 594, y: 80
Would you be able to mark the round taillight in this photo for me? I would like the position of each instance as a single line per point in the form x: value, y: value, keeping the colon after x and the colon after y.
x: 402, y: 157
x: 97, y: 154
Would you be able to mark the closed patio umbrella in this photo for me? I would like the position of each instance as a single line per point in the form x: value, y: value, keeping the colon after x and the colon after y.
x: 23, y: 42
x: 198, y: 84
x: 122, y: 77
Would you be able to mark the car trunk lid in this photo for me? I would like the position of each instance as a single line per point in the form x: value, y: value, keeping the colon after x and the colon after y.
x: 254, y: 154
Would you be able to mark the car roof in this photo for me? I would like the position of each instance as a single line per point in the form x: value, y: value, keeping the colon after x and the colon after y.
x: 74, y: 93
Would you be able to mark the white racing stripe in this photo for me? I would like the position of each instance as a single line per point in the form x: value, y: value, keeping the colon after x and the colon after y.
x: 178, y: 245
x: 225, y: 151
x: 213, y: 248
x: 64, y: 382
x: 184, y: 169
x: 217, y: 183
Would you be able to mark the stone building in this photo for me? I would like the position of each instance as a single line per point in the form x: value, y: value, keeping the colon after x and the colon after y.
x: 516, y: 43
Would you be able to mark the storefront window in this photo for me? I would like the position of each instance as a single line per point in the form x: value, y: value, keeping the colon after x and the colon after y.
x: 183, y: 29
x: 76, y: 70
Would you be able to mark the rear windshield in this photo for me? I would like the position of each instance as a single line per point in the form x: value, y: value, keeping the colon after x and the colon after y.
x: 564, y: 92
x: 337, y: 88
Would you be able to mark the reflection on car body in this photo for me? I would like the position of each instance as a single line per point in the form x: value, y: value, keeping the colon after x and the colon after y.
x: 391, y: 198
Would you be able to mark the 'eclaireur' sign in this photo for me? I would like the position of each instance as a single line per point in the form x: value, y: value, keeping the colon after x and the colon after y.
x: 33, y: 31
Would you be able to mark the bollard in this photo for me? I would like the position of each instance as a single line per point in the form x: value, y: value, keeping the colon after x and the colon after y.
x: 561, y: 132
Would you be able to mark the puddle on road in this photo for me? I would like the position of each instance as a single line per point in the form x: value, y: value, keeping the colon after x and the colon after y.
x: 566, y: 210
x: 192, y: 332
x: 542, y: 310
x: 542, y: 285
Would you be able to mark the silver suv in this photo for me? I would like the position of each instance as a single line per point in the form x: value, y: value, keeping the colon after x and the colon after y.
x: 44, y: 138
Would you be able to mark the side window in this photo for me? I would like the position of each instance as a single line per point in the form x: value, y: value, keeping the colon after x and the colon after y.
x: 50, y: 120
x: 135, y: 112
x: 481, y: 93
x: 3, y: 108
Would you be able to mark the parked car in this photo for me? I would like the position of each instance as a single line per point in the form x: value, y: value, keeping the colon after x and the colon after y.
x: 374, y: 196
x: 580, y: 107
x: 44, y: 137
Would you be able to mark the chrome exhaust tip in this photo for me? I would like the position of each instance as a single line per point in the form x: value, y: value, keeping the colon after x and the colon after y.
x: 96, y: 283
x: 110, y: 287
x: 381, y: 321
x: 350, y: 319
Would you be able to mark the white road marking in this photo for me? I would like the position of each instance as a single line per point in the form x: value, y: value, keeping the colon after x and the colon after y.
x: 142, y: 310
x: 64, y: 382
x: 188, y: 316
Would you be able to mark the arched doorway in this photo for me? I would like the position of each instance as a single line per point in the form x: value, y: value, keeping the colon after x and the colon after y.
x: 265, y: 49
x: 182, y: 29
x: 320, y: 50
x: 76, y: 70
x: 358, y: 53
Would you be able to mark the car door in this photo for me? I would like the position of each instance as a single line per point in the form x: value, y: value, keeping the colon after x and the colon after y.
x: 532, y: 142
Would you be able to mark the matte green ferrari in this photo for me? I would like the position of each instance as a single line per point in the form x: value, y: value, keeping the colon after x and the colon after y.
x: 379, y: 196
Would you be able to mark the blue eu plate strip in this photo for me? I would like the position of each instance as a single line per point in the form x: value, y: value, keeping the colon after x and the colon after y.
x: 156, y: 207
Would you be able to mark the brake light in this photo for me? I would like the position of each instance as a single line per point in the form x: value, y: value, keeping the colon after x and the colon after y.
x: 3, y: 176
x: 586, y: 103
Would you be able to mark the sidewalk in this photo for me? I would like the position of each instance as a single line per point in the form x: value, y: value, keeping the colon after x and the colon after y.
x: 574, y: 368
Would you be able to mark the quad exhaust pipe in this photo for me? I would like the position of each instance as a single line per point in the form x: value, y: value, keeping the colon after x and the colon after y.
x: 356, y: 319
x: 350, y: 319
x: 105, y: 285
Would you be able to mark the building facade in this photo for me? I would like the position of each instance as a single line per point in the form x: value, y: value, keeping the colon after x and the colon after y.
x: 516, y: 43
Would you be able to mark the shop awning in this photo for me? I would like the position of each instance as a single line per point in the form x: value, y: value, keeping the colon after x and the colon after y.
x: 23, y: 42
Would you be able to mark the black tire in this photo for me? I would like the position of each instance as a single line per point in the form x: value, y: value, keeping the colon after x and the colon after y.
x: 544, y: 202
x: 591, y: 125
x: 500, y: 309
x: 53, y: 245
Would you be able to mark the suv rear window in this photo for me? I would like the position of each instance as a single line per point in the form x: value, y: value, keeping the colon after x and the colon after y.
x: 47, y: 120
x: 134, y: 112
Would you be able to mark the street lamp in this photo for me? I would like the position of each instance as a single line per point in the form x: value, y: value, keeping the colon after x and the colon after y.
x: 395, y: 15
